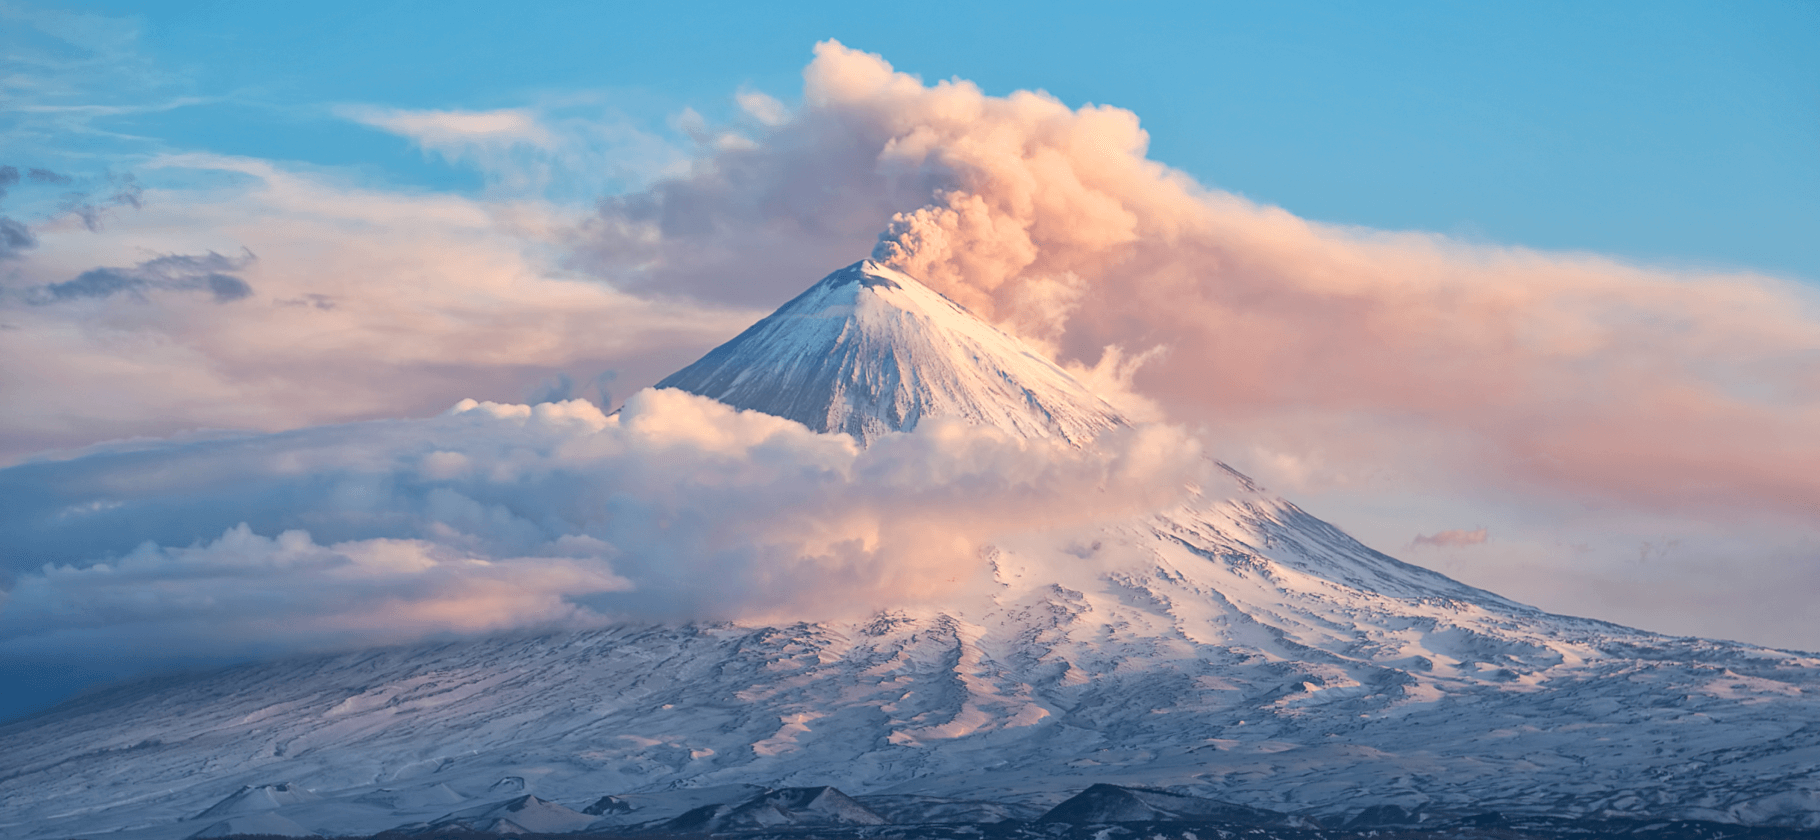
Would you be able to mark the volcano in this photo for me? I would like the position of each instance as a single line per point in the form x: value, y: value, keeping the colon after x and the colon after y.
x: 1231, y: 648
x: 869, y: 351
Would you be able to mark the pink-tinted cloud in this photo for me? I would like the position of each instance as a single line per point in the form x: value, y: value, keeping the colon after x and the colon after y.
x: 361, y: 303
x: 1451, y: 539
x: 495, y: 516
x: 1459, y: 363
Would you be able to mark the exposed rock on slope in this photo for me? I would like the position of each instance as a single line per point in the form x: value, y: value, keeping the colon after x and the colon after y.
x: 804, y: 806
x: 267, y: 824
x: 254, y: 799
x: 526, y: 814
x: 1103, y: 803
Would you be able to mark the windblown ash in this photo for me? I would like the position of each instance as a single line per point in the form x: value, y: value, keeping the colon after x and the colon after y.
x: 1462, y: 364
x: 495, y: 517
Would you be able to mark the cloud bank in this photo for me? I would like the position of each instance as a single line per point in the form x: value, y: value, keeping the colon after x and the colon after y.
x: 361, y: 303
x: 496, y: 516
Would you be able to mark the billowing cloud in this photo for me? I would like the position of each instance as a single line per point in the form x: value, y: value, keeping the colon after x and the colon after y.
x: 496, y: 516
x: 1451, y: 539
x: 1463, y: 364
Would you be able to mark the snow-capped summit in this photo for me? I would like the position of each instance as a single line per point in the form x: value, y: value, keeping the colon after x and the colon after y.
x: 870, y: 350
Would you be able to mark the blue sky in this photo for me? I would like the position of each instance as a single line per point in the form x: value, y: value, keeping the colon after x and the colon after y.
x: 1681, y: 133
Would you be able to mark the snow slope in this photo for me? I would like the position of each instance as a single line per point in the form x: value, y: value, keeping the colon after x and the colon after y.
x: 1228, y: 654
x: 869, y: 350
x: 1233, y: 647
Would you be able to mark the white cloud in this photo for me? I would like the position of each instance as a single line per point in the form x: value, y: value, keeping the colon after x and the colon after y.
x: 762, y: 107
x: 243, y: 594
x: 498, y: 516
x: 568, y: 150
x: 454, y: 132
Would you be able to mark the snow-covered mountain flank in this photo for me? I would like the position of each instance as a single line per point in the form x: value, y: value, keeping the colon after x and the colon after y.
x: 869, y: 351
x: 1228, y: 646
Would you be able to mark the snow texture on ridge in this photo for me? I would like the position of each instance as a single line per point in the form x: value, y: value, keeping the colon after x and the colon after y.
x: 524, y: 814
x: 1216, y: 650
x: 870, y: 350
x: 265, y: 824
x: 1103, y: 803
x: 818, y: 805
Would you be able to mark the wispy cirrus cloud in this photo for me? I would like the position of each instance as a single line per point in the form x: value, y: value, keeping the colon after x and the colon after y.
x: 571, y: 149
x: 63, y: 72
x: 457, y: 134
x: 15, y: 237
x: 93, y: 206
x: 90, y: 206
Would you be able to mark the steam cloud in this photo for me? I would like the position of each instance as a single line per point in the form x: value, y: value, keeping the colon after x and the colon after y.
x: 1476, y: 365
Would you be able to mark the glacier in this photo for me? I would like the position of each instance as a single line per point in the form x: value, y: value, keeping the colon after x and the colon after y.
x: 1230, y: 646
